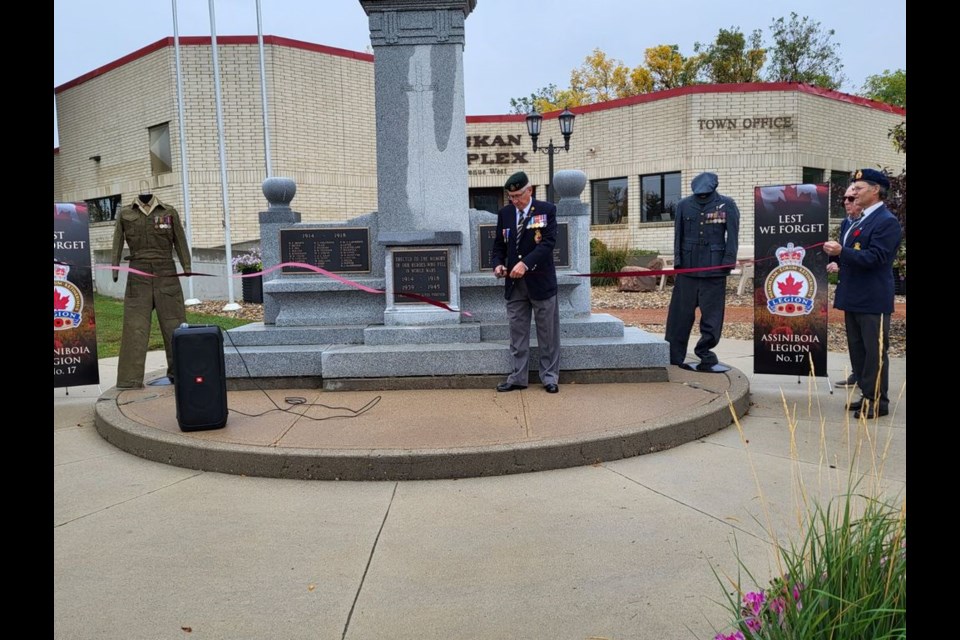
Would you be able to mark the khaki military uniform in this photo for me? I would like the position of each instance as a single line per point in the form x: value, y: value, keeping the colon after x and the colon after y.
x: 151, y: 230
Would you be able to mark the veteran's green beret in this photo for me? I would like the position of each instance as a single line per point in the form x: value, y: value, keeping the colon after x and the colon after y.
x: 517, y: 181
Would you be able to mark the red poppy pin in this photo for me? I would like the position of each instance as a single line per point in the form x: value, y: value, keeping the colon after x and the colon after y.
x: 856, y: 232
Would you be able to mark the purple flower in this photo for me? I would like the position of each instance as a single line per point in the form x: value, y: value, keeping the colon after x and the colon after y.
x: 736, y: 635
x: 753, y: 624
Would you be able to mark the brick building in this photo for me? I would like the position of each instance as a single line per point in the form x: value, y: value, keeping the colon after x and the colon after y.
x: 119, y: 135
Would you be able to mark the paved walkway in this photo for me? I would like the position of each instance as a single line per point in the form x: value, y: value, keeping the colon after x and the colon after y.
x: 616, y: 550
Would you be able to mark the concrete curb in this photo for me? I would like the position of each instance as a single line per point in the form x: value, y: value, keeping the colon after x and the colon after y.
x: 179, y: 450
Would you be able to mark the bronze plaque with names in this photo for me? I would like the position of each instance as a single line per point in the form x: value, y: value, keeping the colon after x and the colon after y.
x: 561, y: 251
x: 424, y: 272
x: 334, y: 249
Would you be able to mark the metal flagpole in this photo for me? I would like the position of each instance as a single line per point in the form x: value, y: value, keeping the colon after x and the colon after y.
x: 191, y: 300
x: 263, y: 95
x: 231, y: 305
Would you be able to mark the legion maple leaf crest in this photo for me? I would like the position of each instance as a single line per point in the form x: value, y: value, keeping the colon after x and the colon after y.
x: 790, y: 287
x: 60, y: 301
x: 67, y: 300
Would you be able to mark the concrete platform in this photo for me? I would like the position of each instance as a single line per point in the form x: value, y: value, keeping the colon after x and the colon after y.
x: 426, y: 433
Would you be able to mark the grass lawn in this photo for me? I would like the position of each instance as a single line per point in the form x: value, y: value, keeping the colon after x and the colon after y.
x: 110, y: 325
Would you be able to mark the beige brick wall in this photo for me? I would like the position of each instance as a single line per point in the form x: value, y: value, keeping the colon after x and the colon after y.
x: 673, y: 134
x: 322, y: 128
x: 56, y: 176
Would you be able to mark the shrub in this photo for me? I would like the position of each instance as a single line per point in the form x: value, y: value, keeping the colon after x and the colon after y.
x: 597, y: 246
x: 846, y: 579
x: 609, y: 261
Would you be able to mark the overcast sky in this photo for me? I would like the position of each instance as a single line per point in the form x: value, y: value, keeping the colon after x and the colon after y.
x: 513, y: 47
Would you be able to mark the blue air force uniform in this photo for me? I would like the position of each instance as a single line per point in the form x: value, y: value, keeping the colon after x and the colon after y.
x: 706, y: 232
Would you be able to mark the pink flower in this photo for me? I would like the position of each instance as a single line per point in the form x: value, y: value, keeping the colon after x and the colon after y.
x: 778, y: 604
x: 753, y: 624
x: 736, y: 635
x: 754, y: 601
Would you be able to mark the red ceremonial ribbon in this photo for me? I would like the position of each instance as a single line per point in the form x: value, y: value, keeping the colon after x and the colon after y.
x: 673, y: 272
x: 300, y: 265
x: 437, y: 303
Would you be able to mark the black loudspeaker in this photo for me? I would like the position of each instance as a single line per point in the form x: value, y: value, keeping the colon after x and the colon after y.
x: 199, y: 377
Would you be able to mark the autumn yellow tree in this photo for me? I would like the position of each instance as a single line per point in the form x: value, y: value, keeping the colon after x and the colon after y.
x: 669, y: 69
x: 601, y: 78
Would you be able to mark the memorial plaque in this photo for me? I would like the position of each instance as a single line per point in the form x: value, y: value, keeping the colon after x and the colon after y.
x: 335, y: 249
x: 561, y: 251
x: 425, y: 272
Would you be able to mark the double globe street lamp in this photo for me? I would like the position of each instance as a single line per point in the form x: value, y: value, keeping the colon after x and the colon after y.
x: 534, y: 120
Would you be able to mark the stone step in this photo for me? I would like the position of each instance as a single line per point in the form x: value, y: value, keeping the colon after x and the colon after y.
x: 636, y: 349
x: 258, y: 334
x: 598, y: 325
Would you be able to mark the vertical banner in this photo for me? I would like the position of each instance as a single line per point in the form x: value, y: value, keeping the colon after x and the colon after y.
x: 74, y: 324
x: 790, y: 283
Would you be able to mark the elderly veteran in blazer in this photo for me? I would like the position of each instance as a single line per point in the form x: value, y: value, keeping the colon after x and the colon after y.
x: 523, y: 256
x: 866, y: 251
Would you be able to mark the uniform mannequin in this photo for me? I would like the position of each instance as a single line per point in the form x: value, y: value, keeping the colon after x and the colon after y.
x: 152, y: 230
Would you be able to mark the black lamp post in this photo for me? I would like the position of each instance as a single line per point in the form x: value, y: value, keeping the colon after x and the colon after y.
x: 566, y: 128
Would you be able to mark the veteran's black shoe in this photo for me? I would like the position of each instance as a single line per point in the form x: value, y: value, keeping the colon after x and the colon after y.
x: 715, y: 367
x: 551, y: 388
x: 856, y: 405
x: 870, y: 414
x: 844, y: 384
x: 507, y: 386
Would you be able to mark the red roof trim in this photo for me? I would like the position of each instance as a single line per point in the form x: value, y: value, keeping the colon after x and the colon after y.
x: 746, y: 87
x: 205, y: 41
x: 513, y: 117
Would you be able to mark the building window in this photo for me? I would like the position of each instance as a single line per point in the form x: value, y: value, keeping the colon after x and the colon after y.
x: 103, y: 209
x: 486, y: 199
x: 609, y: 198
x: 160, y: 158
x: 659, y: 196
x: 812, y: 176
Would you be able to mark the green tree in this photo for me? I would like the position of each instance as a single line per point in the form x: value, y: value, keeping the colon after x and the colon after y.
x: 535, y: 100
x: 897, y: 197
x: 803, y: 51
x: 727, y: 59
x: 889, y: 87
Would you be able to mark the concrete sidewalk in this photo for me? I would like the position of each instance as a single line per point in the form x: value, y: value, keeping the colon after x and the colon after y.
x: 617, y: 550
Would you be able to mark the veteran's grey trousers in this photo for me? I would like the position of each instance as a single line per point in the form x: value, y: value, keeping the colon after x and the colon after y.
x: 547, y: 315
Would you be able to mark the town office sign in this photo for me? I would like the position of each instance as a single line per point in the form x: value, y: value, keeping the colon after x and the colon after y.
x: 747, y: 123
x: 494, y: 151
